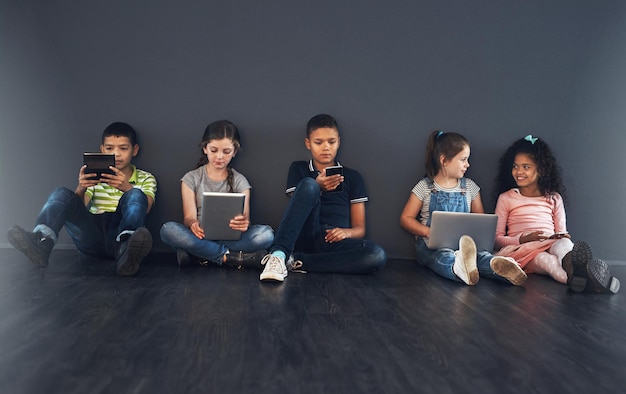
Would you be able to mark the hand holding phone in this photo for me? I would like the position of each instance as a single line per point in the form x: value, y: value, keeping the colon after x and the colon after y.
x: 560, y: 235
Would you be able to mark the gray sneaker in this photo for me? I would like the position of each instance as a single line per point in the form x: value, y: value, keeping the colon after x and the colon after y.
x: 275, y: 268
x: 132, y: 252
x: 34, y: 245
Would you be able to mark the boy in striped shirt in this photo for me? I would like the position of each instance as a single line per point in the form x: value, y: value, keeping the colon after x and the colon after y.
x: 105, y: 216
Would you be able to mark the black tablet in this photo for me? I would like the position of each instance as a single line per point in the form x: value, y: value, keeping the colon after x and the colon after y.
x: 98, y: 163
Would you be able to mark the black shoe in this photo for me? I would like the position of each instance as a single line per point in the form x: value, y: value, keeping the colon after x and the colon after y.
x: 600, y: 279
x: 34, y: 245
x: 183, y: 258
x: 186, y: 259
x: 250, y: 260
x: 132, y: 251
x: 575, y: 265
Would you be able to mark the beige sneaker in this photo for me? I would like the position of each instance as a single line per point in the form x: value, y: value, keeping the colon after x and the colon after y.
x: 508, y: 268
x: 275, y: 268
x: 465, y: 261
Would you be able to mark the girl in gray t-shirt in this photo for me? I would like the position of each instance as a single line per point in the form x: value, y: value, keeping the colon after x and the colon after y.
x: 220, y: 143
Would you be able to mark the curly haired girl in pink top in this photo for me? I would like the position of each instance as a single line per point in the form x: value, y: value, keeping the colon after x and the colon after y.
x: 532, y: 224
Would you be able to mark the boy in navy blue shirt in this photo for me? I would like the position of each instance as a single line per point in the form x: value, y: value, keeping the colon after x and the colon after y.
x: 323, y: 228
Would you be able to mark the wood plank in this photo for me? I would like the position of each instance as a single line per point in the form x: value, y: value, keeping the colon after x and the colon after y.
x: 76, y: 327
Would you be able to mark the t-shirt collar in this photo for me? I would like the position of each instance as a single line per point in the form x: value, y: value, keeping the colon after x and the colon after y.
x: 133, y: 177
x: 314, y: 170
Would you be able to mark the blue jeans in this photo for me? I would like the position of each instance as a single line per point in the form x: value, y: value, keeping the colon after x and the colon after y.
x: 442, y: 260
x: 94, y: 235
x: 300, y: 230
x: 179, y: 236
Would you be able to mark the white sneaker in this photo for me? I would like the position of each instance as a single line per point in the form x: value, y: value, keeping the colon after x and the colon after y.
x: 275, y: 268
x: 508, y: 268
x: 465, y: 261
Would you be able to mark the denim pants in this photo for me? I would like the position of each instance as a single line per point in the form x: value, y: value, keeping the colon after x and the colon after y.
x: 94, y: 234
x: 300, y: 230
x: 179, y: 236
x: 442, y: 260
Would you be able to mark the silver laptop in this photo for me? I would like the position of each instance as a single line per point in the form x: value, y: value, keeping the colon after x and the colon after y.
x: 447, y: 227
x: 217, y: 210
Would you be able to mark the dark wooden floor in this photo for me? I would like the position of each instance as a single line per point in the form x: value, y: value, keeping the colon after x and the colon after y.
x: 75, y: 327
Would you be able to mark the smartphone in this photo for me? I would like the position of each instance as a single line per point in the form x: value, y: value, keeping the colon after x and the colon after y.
x: 558, y: 235
x: 98, y: 163
x: 335, y: 170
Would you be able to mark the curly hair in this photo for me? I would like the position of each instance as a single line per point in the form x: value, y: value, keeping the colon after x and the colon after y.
x: 549, y: 172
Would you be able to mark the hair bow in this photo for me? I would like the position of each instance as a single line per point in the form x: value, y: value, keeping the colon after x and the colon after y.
x: 531, y: 139
x: 439, y: 134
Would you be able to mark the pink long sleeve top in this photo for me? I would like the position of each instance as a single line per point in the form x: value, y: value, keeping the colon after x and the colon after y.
x: 518, y: 215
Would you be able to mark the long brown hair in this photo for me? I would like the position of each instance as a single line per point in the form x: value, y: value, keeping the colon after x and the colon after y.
x: 216, y: 131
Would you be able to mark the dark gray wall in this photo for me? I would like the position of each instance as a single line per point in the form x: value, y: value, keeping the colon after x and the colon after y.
x: 390, y: 72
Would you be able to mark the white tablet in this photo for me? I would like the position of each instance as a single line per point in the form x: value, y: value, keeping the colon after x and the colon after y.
x: 217, y: 211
